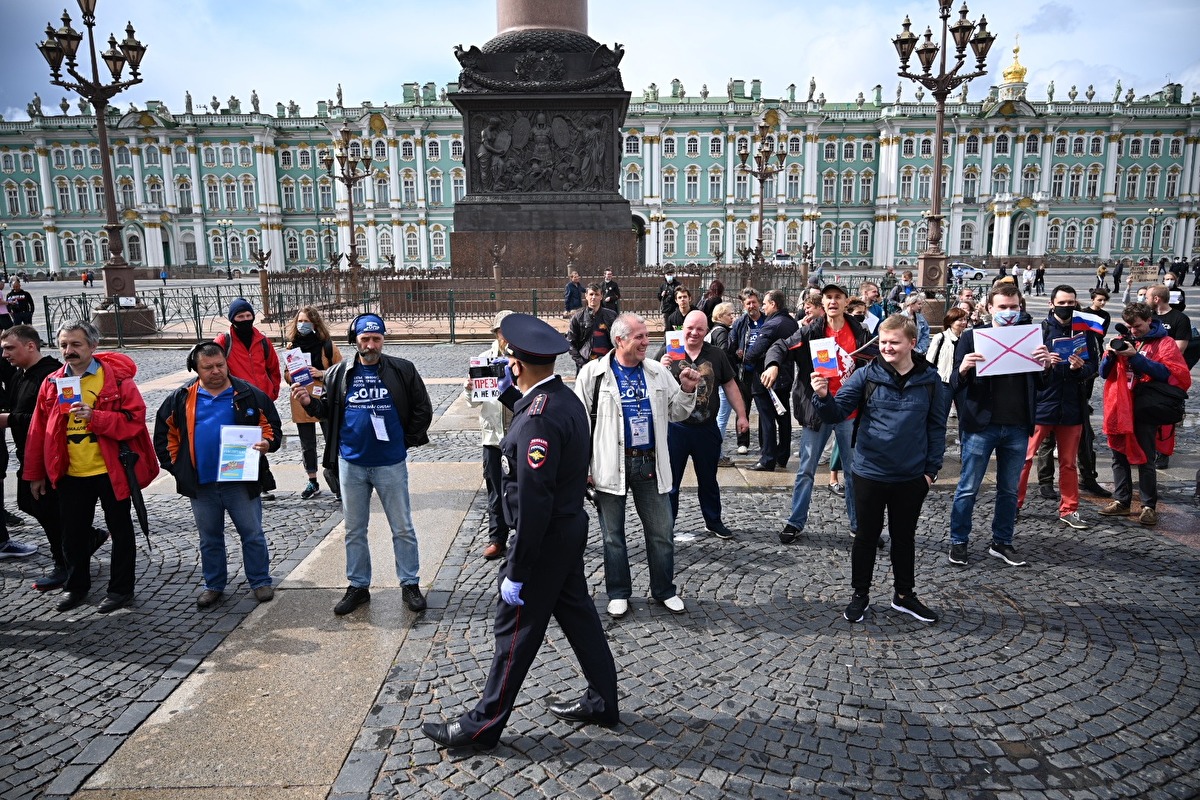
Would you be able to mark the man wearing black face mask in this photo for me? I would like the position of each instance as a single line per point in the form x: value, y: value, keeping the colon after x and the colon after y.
x: 251, y: 357
x: 1061, y: 405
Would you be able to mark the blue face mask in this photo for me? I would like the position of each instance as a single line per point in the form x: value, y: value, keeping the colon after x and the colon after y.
x: 1005, y: 317
x: 305, y: 329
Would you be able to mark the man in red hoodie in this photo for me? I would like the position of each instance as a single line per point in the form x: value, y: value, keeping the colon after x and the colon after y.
x: 74, y: 442
x: 251, y: 357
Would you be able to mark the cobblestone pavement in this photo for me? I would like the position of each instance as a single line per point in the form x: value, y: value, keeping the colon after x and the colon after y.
x: 1077, y: 676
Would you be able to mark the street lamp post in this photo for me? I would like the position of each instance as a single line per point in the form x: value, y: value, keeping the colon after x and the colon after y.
x: 932, y: 263
x: 763, y: 170
x: 328, y: 223
x: 349, y: 175
x: 225, y: 225
x: 1154, y: 214
x: 813, y: 218
x: 657, y: 219
x: 63, y: 44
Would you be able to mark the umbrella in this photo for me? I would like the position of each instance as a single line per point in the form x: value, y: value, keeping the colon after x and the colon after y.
x: 129, y: 460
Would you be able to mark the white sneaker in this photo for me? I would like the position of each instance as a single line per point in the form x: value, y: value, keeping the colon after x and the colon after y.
x: 674, y: 604
x: 742, y: 450
x: 618, y: 608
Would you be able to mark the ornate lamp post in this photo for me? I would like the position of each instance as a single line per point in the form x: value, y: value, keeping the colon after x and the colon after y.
x: 812, y: 218
x: 1154, y: 214
x: 657, y: 219
x: 333, y: 255
x: 348, y: 174
x: 932, y: 263
x: 63, y: 44
x: 763, y: 169
x: 225, y: 225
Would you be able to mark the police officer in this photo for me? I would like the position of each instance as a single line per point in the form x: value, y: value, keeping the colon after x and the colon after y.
x: 544, y: 467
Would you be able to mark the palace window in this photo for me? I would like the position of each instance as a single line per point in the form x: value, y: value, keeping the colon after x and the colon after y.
x: 742, y: 186
x: 795, y: 146
x: 906, y: 148
x: 1077, y: 146
x: 1022, y: 236
x: 1002, y: 144
x: 127, y: 196
x: 633, y: 186
x: 668, y: 146
x: 289, y: 197
x: 668, y: 187
x: 1135, y: 148
x: 693, y: 187
x: 693, y: 146
x: 1097, y: 146
x: 382, y: 189
x: 668, y: 241
x: 437, y: 245
x: 380, y: 150
x: 692, y: 241
x: 408, y: 187
x: 848, y: 151
x: 231, y: 196
x: 459, y: 187
x: 433, y: 150
x: 716, y: 186
x: 456, y: 149
x: 828, y: 186
x: 83, y: 197
x: 830, y: 151
x: 412, y: 247
x: 185, y: 196
x: 304, y: 158
x: 966, y: 239
x: 133, y: 247
x: 926, y: 148
x: 155, y: 193
x: 407, y: 150
x: 123, y: 157
x: 435, y: 189
x: 868, y: 151
x: 1032, y: 143
x: 245, y: 156
x: 868, y: 187
x: 970, y: 187
x: 972, y: 146
x: 249, y: 202
x: 633, y: 146
x: 1155, y: 148
x: 715, y: 146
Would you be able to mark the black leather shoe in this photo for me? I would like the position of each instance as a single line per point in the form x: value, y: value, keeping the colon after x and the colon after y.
x: 575, y: 711
x: 451, y: 734
x: 761, y: 467
x: 789, y: 534
x: 1047, y: 491
x: 1092, y: 487
x: 70, y: 600
x: 413, y: 598
x: 112, y: 602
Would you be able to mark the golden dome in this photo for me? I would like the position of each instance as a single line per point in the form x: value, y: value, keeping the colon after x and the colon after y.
x: 1015, y: 72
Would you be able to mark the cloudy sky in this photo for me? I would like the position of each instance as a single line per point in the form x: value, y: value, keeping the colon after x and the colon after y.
x: 301, y: 49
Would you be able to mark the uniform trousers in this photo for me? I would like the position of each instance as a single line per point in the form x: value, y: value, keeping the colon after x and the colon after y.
x: 557, y: 589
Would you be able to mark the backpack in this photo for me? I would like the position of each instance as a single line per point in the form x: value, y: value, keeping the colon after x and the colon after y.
x: 1158, y: 403
x: 862, y: 405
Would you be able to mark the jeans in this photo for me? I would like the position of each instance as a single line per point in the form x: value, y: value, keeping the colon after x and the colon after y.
x: 391, y: 484
x: 654, y: 509
x: 1067, y: 437
x: 723, y: 414
x: 1147, y: 475
x: 77, y: 511
x: 497, y: 527
x: 812, y: 444
x: 703, y: 444
x: 902, y: 501
x: 1009, y: 443
x: 774, y: 430
x: 209, y: 505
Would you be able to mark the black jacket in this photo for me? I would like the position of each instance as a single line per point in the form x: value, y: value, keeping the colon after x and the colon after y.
x: 407, y: 391
x: 795, y: 350
x: 779, y: 326
x: 176, y: 420
x: 580, y: 329
x: 22, y: 397
x: 1062, y: 400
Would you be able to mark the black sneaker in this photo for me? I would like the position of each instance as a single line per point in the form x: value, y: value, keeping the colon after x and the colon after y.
x: 354, y: 597
x: 1006, y: 553
x: 857, y: 608
x: 413, y: 598
x: 958, y: 554
x: 11, y: 520
x: 311, y: 490
x: 267, y: 497
x: 719, y: 530
x: 838, y: 488
x: 55, y: 580
x: 789, y: 534
x: 911, y: 605
x: 1046, y: 490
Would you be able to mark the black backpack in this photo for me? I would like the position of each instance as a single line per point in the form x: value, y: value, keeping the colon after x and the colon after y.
x: 1158, y: 403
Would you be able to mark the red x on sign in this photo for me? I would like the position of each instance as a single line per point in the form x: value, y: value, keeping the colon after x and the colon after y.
x: 999, y: 345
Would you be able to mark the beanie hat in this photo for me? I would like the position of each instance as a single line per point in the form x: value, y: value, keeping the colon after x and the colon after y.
x: 238, y: 306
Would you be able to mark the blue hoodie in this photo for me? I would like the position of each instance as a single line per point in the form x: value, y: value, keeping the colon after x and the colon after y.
x: 901, y: 435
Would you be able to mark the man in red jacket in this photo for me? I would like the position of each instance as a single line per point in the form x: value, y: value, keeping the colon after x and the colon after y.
x: 251, y: 357
x: 74, y: 443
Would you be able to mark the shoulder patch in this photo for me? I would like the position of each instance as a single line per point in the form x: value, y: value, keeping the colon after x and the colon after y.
x: 537, y: 407
x: 539, y: 450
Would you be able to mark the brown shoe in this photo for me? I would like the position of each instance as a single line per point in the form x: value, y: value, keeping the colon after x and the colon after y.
x: 493, y: 551
x: 1115, y: 509
x: 1148, y: 516
x: 208, y: 598
x: 264, y: 594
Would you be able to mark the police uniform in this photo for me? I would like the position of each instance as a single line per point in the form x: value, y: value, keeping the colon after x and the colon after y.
x: 544, y: 469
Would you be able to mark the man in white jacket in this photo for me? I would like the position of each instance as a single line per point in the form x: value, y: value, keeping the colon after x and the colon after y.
x: 493, y: 418
x: 630, y: 402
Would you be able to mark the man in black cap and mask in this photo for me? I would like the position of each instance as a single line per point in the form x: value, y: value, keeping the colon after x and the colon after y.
x: 544, y: 468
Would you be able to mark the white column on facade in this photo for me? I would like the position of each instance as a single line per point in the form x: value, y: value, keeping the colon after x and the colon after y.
x: 1186, y: 235
x: 197, y: 187
x: 1040, y: 234
x: 393, y: 145
x: 423, y: 242
x: 1107, y: 221
x: 419, y: 152
x: 397, y: 240
x: 731, y: 162
x: 1018, y: 158
x: 267, y: 189
x: 1189, y: 179
x: 153, y: 244
x: 985, y: 169
x: 810, y: 164
x: 139, y: 187
x: 53, y: 257
x: 166, y: 161
x: 1110, y: 188
x: 202, y: 254
x: 372, y: 244
x: 48, y: 196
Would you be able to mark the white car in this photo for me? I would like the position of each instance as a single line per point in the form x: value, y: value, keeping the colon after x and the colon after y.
x: 782, y: 259
x: 965, y: 272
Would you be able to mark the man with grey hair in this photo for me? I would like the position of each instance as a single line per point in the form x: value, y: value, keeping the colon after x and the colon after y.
x: 85, y: 415
x: 631, y: 400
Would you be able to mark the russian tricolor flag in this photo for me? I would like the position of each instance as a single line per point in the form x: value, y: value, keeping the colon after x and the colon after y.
x: 1087, y: 322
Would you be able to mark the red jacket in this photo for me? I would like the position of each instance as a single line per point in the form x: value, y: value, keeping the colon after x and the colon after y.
x: 257, y: 364
x: 119, y: 415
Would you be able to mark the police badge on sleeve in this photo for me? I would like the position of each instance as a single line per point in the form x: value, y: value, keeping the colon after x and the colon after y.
x: 539, y: 449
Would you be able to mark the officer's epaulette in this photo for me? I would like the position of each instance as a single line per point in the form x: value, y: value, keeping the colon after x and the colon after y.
x: 538, y: 405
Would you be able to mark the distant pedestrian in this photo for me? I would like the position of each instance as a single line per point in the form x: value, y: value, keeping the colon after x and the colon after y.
x: 572, y: 295
x: 712, y: 299
x: 589, y: 330
x: 20, y: 303
x: 163, y: 275
x: 1102, y: 276
x: 611, y: 292
x: 666, y: 296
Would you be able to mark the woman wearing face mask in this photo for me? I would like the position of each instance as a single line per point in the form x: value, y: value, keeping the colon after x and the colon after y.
x: 307, y: 332
x: 1171, y: 281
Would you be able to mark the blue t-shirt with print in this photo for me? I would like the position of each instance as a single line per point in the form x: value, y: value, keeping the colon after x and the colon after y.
x: 366, y: 397
x: 211, y: 413
x: 635, y: 402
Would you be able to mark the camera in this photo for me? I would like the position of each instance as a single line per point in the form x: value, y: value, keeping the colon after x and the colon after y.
x: 1121, y: 343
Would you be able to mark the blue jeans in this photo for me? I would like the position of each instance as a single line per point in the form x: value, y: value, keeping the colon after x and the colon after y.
x: 654, y: 509
x: 391, y: 484
x: 1009, y: 443
x: 812, y: 444
x: 703, y: 444
x: 209, y: 505
x: 723, y: 415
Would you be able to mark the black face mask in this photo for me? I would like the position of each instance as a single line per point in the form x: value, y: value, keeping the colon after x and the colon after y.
x: 859, y: 317
x: 244, y: 330
x: 1064, y: 312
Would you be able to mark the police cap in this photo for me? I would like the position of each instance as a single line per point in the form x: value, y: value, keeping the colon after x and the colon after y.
x: 531, y: 340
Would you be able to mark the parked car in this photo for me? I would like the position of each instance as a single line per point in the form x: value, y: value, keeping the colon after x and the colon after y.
x: 961, y: 271
x: 782, y: 259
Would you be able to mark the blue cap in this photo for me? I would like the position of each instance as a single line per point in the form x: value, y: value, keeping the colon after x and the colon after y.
x: 369, y: 323
x: 531, y: 340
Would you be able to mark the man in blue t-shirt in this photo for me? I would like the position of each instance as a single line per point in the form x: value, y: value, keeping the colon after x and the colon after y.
x: 378, y: 408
